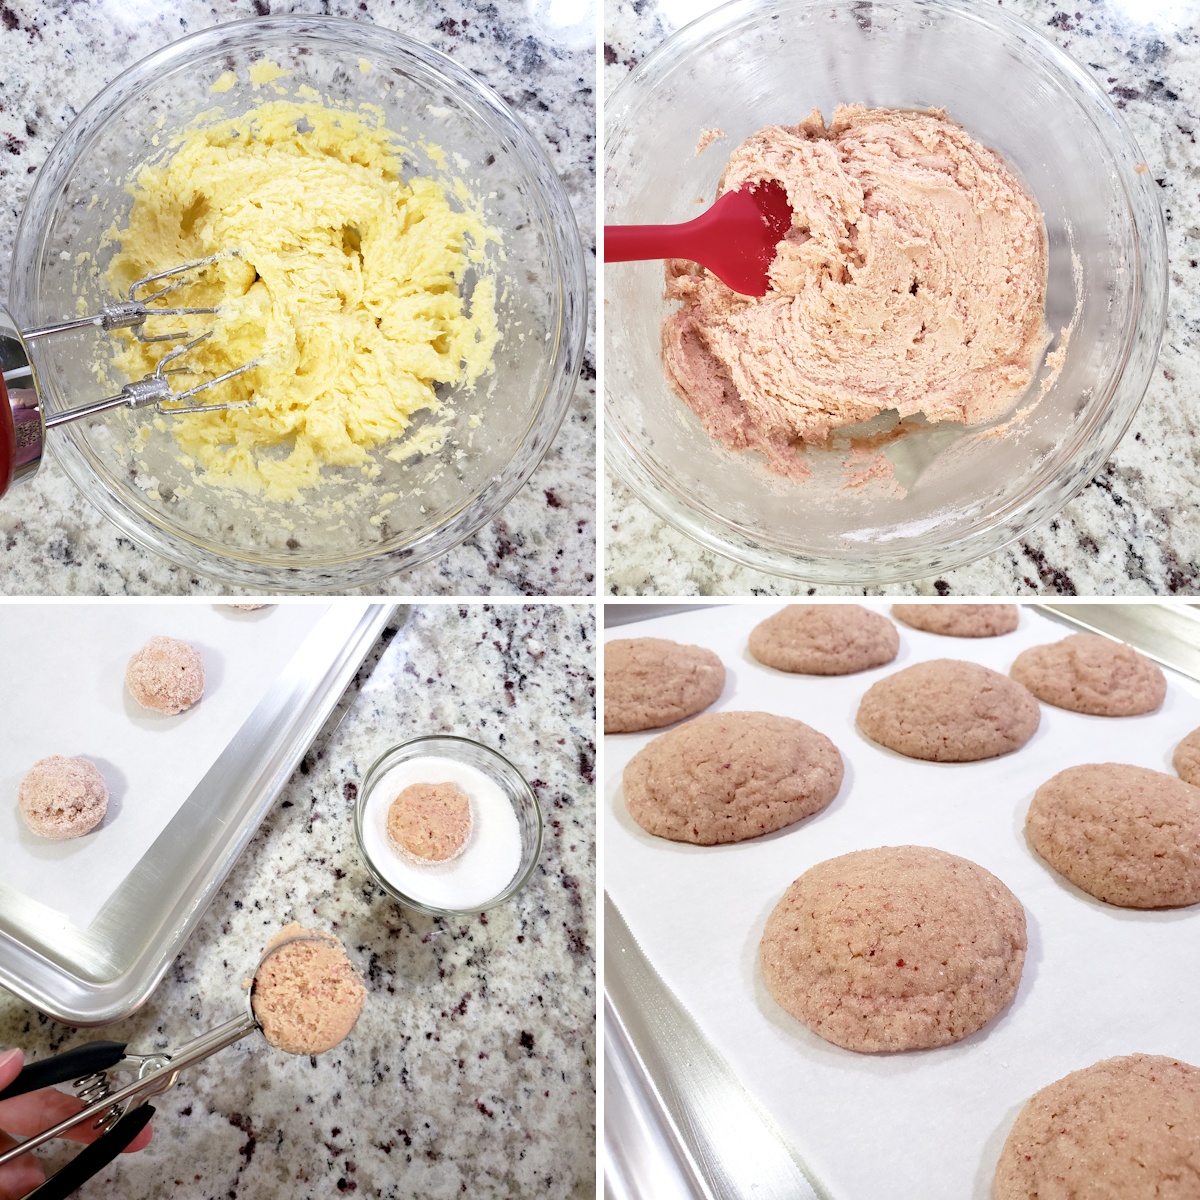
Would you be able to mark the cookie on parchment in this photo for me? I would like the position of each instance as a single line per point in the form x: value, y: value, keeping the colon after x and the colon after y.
x: 1187, y: 758
x: 63, y: 797
x: 652, y: 682
x: 1087, y: 673
x: 959, y: 620
x: 896, y: 948
x: 729, y: 776
x: 948, y: 711
x: 1126, y: 835
x: 825, y: 639
x: 1124, y: 1129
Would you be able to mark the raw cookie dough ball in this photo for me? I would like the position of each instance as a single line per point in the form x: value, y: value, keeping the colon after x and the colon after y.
x: 948, y: 711
x: 959, y: 620
x: 652, y: 682
x: 63, y: 797
x: 825, y: 639
x: 726, y: 777
x: 307, y: 996
x: 430, y: 822
x: 1124, y: 1129
x: 166, y: 675
x: 1087, y: 673
x: 1126, y: 835
x: 899, y: 948
x: 1187, y: 758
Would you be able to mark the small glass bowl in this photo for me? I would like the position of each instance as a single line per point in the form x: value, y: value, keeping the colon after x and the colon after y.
x: 492, y: 764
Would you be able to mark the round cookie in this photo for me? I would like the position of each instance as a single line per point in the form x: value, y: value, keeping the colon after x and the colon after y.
x: 63, y: 797
x: 307, y: 996
x: 726, y: 777
x: 948, y: 711
x: 1187, y: 758
x: 1124, y: 1129
x: 1126, y: 835
x: 959, y: 620
x: 1087, y: 673
x: 825, y: 639
x: 166, y: 676
x: 430, y: 822
x: 652, y: 682
x: 897, y: 948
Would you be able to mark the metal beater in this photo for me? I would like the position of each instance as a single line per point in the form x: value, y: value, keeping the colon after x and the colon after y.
x: 23, y: 423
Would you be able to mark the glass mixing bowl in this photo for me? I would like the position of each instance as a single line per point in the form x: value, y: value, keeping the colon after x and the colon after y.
x: 753, y: 63
x: 339, y: 536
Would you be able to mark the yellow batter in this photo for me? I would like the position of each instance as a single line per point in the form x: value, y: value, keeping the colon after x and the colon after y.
x: 347, y: 288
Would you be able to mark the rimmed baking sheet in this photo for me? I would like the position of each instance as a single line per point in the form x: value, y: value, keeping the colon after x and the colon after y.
x: 1098, y: 981
x: 88, y: 926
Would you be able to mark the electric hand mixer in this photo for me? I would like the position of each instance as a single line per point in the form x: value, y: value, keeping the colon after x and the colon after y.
x: 23, y: 423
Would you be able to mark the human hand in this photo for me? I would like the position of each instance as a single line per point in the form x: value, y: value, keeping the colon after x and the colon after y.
x: 30, y: 1114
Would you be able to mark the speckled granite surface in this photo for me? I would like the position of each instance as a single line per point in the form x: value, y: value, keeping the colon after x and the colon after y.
x: 471, y: 1070
x: 57, y: 54
x: 1134, y: 529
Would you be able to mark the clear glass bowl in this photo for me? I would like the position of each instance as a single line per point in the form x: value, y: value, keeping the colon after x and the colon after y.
x: 331, y: 541
x: 752, y: 63
x: 484, y: 759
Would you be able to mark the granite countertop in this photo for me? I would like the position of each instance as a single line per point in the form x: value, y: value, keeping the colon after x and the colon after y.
x: 1131, y: 531
x: 58, y: 54
x: 471, y: 1070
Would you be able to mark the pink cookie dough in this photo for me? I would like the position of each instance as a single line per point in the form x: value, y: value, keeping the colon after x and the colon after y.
x: 166, y: 676
x: 430, y: 822
x: 307, y: 996
x: 913, y: 279
x: 63, y: 798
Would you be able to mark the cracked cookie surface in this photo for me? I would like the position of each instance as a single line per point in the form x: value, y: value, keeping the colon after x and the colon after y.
x: 726, y: 777
x: 949, y: 711
x: 959, y: 620
x: 1127, y: 835
x: 824, y: 639
x: 895, y: 948
x: 652, y: 682
x: 1087, y: 673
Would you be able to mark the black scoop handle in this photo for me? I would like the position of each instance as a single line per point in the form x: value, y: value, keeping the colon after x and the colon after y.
x: 71, y: 1064
x: 94, y: 1158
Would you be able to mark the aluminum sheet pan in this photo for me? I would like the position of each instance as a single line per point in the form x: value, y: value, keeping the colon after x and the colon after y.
x: 878, y: 1127
x: 86, y: 970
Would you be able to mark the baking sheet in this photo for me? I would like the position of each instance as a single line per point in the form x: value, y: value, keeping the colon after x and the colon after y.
x: 1098, y: 981
x: 69, y: 661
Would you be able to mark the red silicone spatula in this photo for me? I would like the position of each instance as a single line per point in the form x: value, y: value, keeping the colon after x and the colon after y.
x: 735, y: 239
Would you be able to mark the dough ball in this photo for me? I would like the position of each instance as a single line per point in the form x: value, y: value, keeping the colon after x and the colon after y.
x: 166, y: 675
x: 652, y: 682
x: 1126, y: 835
x: 307, y: 996
x: 825, y: 639
x: 1087, y: 673
x: 63, y: 797
x: 726, y: 777
x: 948, y: 711
x: 959, y: 620
x: 430, y: 822
x: 1124, y: 1129
x: 899, y: 948
x: 1187, y: 758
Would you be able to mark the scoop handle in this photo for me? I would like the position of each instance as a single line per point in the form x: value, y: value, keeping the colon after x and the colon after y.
x: 60, y: 1068
x: 94, y: 1158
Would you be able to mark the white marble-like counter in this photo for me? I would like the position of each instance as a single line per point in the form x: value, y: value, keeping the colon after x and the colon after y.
x: 57, y: 54
x: 471, y: 1071
x: 1135, y: 530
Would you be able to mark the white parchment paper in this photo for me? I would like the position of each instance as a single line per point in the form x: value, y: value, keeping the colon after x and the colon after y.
x: 66, y: 695
x: 1098, y: 981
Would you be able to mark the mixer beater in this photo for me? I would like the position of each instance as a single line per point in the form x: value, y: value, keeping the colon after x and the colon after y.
x: 23, y: 422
